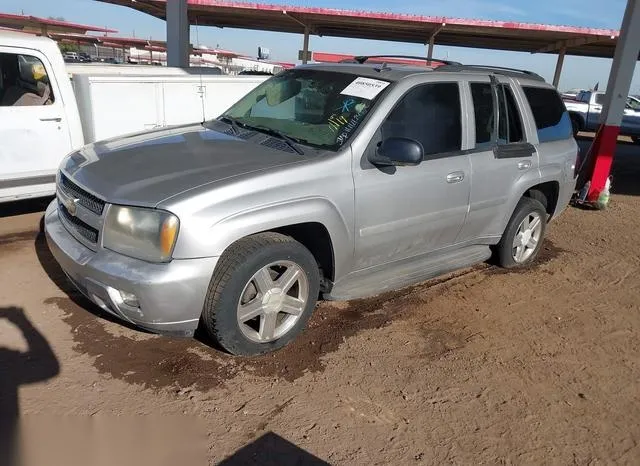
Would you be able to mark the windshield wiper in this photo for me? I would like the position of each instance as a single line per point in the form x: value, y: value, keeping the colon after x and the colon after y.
x: 291, y: 142
x: 234, y: 124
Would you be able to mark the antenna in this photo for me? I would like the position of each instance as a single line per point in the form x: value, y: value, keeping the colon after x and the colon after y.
x: 201, y: 89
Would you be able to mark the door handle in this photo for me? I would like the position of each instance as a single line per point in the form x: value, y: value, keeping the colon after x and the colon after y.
x: 524, y: 165
x: 58, y: 119
x: 455, y: 177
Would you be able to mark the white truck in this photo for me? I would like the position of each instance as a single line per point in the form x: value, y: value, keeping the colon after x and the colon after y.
x: 48, y: 109
x: 586, y: 107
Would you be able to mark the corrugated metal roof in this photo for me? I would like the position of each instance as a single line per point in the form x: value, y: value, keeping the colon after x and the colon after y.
x: 35, y: 24
x: 501, y: 35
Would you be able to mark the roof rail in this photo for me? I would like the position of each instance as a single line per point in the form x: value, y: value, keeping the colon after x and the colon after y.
x: 363, y: 58
x: 499, y: 69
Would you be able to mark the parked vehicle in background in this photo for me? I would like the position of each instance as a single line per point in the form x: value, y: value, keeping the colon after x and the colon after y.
x: 586, y: 108
x: 71, y: 56
x: 48, y: 109
x: 571, y: 93
x: 342, y: 180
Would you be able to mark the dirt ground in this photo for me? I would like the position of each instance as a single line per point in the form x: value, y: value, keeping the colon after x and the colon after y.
x: 478, y: 367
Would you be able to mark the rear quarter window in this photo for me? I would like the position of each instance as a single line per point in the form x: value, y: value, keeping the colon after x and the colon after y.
x: 550, y: 114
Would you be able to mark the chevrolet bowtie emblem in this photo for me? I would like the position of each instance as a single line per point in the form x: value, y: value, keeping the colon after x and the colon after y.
x: 69, y: 203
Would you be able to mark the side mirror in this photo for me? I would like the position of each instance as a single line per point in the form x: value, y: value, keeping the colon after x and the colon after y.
x: 398, y: 152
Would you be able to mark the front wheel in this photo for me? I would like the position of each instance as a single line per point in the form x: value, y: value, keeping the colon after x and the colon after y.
x: 261, y: 295
x: 522, y: 239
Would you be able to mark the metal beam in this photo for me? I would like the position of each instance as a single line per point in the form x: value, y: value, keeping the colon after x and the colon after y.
x: 432, y: 41
x: 559, y: 63
x: 305, y: 46
x: 177, y: 34
x: 624, y: 64
x: 301, y: 23
x: 578, y: 41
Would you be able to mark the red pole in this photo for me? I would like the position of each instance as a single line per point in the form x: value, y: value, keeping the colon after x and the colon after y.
x: 624, y: 62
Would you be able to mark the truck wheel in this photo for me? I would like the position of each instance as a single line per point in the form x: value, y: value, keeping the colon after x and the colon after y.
x: 522, y: 239
x: 261, y: 295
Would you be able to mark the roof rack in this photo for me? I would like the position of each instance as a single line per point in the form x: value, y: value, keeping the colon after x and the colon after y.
x: 363, y: 58
x: 499, y: 69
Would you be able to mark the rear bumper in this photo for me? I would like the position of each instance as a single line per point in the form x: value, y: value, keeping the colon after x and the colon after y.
x: 170, y: 296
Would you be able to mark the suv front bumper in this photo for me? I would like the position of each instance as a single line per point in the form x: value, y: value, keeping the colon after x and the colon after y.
x: 170, y: 295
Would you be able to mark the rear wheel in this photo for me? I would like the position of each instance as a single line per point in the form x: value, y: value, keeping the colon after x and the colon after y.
x: 261, y: 295
x: 522, y: 239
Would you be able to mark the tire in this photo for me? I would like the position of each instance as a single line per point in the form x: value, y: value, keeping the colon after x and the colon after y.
x: 246, y: 282
x: 529, y: 209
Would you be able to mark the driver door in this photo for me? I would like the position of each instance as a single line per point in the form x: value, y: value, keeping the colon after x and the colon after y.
x: 406, y: 211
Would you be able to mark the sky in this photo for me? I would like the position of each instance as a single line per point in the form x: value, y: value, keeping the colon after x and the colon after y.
x: 578, y: 72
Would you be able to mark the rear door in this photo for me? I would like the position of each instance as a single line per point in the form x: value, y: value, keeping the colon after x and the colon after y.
x: 595, y: 110
x: 34, y: 134
x: 501, y: 156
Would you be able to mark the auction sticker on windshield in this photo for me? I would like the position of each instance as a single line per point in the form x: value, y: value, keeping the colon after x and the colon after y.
x: 365, y: 88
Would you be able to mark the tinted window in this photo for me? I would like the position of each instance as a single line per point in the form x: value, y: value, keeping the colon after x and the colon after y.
x: 23, y: 81
x: 429, y: 114
x: 483, y: 110
x: 510, y: 127
x: 600, y: 99
x: 549, y: 113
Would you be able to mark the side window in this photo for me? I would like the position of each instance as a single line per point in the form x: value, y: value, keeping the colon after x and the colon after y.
x: 550, y: 114
x: 510, y: 125
x: 430, y: 114
x: 23, y: 81
x: 482, y: 96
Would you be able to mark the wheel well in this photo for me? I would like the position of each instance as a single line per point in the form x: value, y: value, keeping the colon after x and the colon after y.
x: 315, y: 237
x: 547, y: 194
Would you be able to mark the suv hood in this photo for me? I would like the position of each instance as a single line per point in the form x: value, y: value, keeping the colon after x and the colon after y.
x: 146, y: 168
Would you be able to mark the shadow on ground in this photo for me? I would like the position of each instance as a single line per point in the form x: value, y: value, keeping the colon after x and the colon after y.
x: 272, y: 450
x: 38, y: 363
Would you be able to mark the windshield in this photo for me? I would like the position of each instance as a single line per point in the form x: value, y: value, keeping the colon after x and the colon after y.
x: 317, y: 108
x: 633, y: 103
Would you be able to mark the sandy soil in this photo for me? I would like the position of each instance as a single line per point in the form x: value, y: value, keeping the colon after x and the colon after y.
x: 481, y: 366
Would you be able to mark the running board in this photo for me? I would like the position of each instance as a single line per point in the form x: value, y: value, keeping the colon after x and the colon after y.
x: 406, y: 273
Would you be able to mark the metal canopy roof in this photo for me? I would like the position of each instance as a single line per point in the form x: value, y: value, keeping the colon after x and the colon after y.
x: 44, y: 26
x: 500, y: 35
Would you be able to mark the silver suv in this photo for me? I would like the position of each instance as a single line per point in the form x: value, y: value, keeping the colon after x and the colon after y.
x: 341, y: 181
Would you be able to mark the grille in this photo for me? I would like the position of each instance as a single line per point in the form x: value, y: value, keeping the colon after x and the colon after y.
x: 277, y: 144
x: 85, y: 199
x: 74, y: 223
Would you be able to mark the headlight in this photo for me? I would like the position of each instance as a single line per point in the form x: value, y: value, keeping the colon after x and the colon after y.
x: 146, y: 234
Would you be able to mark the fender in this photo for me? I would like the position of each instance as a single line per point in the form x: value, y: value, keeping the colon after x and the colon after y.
x: 220, y: 235
x: 521, y: 186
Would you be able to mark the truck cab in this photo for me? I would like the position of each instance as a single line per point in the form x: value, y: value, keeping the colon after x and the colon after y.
x: 36, y: 126
x: 585, y: 110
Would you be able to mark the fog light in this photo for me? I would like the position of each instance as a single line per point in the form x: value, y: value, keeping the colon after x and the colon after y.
x: 129, y: 299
